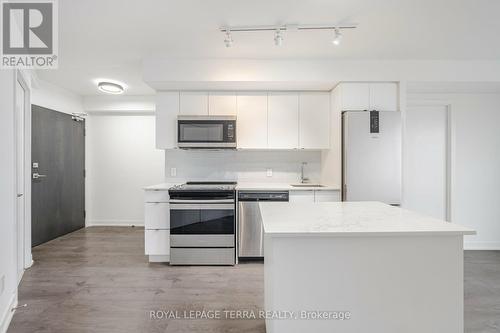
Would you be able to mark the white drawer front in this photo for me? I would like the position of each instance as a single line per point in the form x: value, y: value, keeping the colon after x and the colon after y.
x: 326, y: 196
x: 301, y: 196
x: 156, y: 196
x: 157, y: 215
x: 157, y: 242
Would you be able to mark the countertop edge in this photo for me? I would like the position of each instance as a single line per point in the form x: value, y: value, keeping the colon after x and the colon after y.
x: 251, y: 187
x: 369, y: 233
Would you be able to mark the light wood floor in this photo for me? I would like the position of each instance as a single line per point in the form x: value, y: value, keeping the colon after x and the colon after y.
x: 98, y: 280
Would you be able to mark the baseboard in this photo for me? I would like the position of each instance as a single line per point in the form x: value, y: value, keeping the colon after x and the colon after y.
x: 157, y: 258
x: 115, y: 223
x: 8, y: 314
x: 481, y: 245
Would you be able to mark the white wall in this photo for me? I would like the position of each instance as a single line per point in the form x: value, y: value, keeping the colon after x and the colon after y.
x: 318, y: 74
x: 8, y: 271
x: 241, y: 165
x: 121, y: 159
x: 56, y: 98
x: 119, y: 103
x: 475, y: 163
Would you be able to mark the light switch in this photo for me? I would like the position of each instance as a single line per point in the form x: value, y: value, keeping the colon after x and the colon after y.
x: 173, y: 172
x: 269, y: 172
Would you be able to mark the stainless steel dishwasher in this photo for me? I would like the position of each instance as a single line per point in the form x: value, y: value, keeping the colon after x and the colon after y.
x: 250, y: 229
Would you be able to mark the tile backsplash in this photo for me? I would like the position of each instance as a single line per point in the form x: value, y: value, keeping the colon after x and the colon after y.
x: 241, y: 165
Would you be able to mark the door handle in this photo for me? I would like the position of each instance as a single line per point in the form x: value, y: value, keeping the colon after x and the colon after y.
x: 19, y: 195
x: 36, y: 175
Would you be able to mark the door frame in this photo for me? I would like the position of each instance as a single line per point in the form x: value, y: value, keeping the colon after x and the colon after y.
x: 23, y: 79
x: 418, y: 102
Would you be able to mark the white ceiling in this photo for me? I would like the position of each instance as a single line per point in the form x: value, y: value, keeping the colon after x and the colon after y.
x: 109, y: 38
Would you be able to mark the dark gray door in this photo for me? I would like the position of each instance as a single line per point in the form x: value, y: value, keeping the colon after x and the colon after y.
x: 58, y: 157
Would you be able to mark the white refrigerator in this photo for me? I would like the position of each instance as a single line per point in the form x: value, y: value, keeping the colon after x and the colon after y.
x: 371, y: 152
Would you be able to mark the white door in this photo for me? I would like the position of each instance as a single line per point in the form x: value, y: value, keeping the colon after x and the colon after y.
x: 20, y: 167
x: 251, y: 121
x: 425, y: 167
x: 314, y: 120
x: 283, y: 114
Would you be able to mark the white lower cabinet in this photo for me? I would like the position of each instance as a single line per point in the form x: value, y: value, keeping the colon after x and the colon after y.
x: 157, y: 225
x: 157, y: 215
x: 326, y: 196
x: 301, y: 196
x: 314, y: 196
x: 157, y: 242
x: 156, y: 196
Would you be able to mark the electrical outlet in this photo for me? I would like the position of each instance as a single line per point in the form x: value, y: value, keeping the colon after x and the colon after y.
x: 173, y: 172
x: 2, y: 284
x: 269, y: 172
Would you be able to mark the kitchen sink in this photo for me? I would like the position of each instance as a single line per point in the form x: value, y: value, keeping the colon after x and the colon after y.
x: 307, y: 185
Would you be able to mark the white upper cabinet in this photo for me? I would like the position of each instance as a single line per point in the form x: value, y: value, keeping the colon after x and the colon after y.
x: 222, y: 104
x: 193, y: 103
x: 355, y: 96
x: 380, y: 96
x: 384, y: 97
x: 283, y: 120
x: 314, y: 120
x: 274, y: 120
x: 167, y: 110
x: 251, y: 124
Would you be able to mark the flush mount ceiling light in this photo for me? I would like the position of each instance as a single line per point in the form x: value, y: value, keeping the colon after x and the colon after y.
x: 278, y: 37
x: 110, y: 87
x: 338, y: 37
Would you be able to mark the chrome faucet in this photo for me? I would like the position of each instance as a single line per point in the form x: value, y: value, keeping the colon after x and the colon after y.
x: 302, y: 178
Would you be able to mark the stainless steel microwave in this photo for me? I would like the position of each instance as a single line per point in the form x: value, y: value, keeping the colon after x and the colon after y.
x: 206, y: 132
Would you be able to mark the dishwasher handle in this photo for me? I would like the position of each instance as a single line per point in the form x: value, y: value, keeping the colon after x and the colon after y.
x: 263, y: 196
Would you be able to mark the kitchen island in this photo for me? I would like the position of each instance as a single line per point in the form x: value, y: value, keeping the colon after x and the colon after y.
x: 361, y: 267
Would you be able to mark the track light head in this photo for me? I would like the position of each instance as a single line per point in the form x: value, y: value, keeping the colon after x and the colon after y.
x: 278, y: 38
x: 228, y: 40
x: 338, y: 37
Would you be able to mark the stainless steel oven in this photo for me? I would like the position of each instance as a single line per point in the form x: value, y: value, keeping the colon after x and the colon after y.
x: 206, y: 132
x: 202, y: 224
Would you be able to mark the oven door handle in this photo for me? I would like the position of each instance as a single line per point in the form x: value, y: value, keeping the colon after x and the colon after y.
x: 201, y: 206
x: 177, y: 201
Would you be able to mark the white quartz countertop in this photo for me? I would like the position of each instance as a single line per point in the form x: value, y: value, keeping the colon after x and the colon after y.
x: 249, y: 186
x: 160, y: 187
x: 350, y: 219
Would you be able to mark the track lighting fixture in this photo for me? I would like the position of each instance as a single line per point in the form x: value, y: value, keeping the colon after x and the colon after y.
x: 338, y: 37
x: 278, y: 38
x: 228, y: 41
